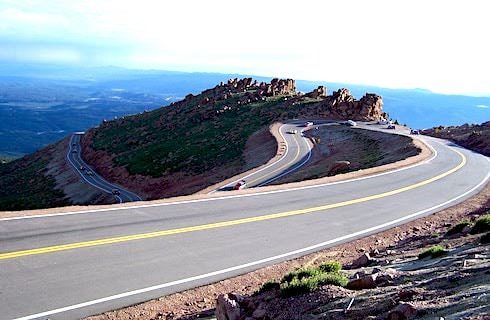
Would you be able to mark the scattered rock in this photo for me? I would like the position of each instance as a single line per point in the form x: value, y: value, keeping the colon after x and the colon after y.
x: 362, y: 261
x: 259, y: 313
x: 226, y: 308
x: 339, y: 167
x: 406, y: 294
x: 366, y: 282
x: 403, y: 311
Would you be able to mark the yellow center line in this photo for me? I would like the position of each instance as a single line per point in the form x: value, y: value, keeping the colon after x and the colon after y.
x: 280, y: 168
x: 93, y: 243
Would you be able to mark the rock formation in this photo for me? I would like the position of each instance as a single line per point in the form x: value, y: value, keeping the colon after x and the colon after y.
x: 320, y: 92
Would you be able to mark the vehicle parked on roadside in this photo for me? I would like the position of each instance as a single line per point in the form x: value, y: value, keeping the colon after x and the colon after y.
x: 351, y: 123
x: 240, y: 185
x: 391, y: 126
x: 414, y: 131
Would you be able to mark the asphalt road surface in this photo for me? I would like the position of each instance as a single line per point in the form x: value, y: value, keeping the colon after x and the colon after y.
x: 72, y: 265
x: 91, y: 177
x: 296, y: 153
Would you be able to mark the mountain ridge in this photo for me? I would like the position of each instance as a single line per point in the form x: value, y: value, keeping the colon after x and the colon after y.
x: 206, y: 131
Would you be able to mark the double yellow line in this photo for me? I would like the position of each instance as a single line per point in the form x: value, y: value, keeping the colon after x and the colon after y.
x: 162, y: 233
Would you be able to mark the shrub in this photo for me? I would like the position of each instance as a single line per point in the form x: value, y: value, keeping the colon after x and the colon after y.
x: 485, y: 239
x: 481, y: 225
x: 433, y: 252
x: 296, y: 286
x: 457, y: 228
x: 269, y: 286
x: 308, y: 279
x: 330, y: 266
x: 333, y: 278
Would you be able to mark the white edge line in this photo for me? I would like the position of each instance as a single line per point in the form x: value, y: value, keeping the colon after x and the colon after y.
x: 102, y: 180
x: 253, y: 263
x: 292, y: 169
x: 435, y: 154
x: 262, y: 169
x: 81, y: 174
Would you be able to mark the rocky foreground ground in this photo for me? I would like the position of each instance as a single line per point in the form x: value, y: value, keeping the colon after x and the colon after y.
x: 384, y: 278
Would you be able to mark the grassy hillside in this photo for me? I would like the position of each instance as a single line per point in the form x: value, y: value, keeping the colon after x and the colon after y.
x: 24, y: 185
x: 200, y: 140
x: 165, y: 140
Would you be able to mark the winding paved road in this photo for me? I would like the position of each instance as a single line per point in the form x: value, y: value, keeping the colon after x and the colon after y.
x: 82, y: 168
x: 72, y: 265
x: 296, y: 153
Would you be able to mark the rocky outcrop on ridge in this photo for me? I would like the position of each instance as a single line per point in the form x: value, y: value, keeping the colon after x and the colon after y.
x: 472, y: 136
x: 199, y: 141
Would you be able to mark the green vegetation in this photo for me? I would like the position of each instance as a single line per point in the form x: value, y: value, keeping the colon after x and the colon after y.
x: 190, y: 137
x: 269, y: 286
x: 433, y: 252
x: 24, y: 186
x: 457, y: 228
x: 481, y: 225
x: 330, y: 266
x: 308, y: 279
x: 485, y: 239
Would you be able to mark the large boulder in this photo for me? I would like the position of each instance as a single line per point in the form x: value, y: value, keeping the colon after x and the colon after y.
x: 338, y: 167
x: 361, y: 283
x: 404, y: 311
x: 227, y: 308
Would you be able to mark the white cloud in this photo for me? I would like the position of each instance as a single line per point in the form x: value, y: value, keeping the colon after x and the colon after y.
x: 482, y: 106
x: 439, y: 45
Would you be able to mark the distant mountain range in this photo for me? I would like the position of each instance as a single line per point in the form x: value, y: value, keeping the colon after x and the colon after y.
x: 40, y: 104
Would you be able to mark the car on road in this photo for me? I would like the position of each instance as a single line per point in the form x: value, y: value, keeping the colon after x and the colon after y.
x: 240, y: 185
x: 391, y: 127
x: 414, y: 131
x: 293, y: 131
x: 308, y: 124
x: 90, y: 173
x: 82, y: 167
x: 351, y: 123
x: 116, y: 192
x: 383, y: 122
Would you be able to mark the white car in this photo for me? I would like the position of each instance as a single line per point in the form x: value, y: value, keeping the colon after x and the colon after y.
x: 293, y: 131
x: 240, y: 185
x: 351, y: 123
x: 308, y: 124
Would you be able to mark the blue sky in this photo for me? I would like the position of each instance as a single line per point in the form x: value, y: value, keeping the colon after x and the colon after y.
x: 437, y: 45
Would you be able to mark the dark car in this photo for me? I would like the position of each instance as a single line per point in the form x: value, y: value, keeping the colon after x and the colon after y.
x: 391, y: 126
x: 116, y: 192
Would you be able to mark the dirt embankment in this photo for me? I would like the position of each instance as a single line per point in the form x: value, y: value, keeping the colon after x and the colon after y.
x: 433, y: 287
x: 340, y: 149
x: 259, y: 149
